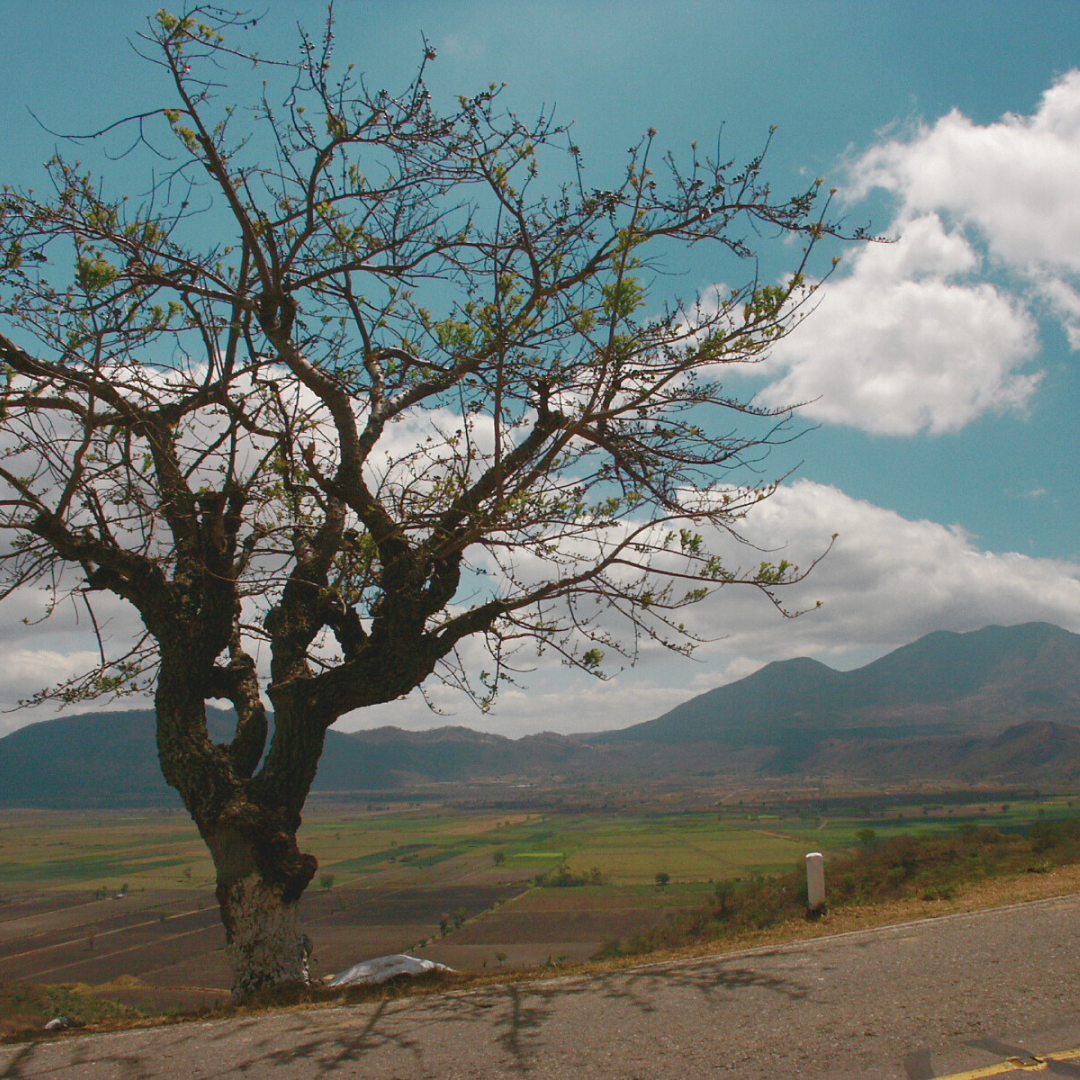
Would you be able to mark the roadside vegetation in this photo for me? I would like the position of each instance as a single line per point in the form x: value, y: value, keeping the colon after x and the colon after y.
x: 927, y: 867
x: 27, y: 1008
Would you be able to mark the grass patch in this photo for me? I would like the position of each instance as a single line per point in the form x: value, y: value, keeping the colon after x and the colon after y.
x: 436, y: 857
x: 25, y: 1009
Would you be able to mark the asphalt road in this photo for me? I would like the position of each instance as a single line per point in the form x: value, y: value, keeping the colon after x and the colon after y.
x: 951, y: 997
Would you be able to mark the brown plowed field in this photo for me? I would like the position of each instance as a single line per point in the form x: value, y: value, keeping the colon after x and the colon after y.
x: 127, y: 945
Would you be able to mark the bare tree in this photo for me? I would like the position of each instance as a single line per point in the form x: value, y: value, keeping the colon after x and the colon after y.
x: 344, y: 389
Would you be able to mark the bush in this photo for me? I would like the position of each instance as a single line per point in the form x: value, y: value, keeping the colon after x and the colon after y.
x: 562, y: 877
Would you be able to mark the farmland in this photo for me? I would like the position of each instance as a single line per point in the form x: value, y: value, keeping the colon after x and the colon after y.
x: 124, y: 901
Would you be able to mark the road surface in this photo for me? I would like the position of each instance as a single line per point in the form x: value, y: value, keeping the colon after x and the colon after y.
x: 951, y: 997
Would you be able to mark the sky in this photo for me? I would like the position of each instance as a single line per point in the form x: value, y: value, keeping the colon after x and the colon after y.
x: 940, y: 370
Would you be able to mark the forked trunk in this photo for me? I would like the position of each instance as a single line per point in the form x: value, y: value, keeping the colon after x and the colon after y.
x: 264, y: 942
x: 249, y: 822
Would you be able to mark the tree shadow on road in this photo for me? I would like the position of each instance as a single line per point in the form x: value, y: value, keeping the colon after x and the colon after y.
x: 509, y: 1027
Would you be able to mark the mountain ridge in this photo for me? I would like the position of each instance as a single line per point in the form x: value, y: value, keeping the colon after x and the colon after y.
x: 996, y: 702
x: 986, y: 678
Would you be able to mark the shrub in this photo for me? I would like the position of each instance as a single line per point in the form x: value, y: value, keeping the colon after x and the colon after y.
x: 562, y: 877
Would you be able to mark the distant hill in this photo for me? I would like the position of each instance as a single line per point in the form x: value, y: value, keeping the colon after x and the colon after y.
x: 1036, y: 752
x: 95, y: 759
x: 946, y: 683
x: 999, y: 703
x: 109, y: 759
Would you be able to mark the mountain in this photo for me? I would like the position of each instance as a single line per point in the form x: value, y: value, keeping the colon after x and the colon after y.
x: 393, y: 756
x: 998, y: 703
x: 100, y: 759
x: 1032, y: 753
x: 95, y: 759
x: 109, y: 759
x: 943, y: 684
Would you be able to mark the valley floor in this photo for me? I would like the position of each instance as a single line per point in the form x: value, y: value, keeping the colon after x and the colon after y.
x: 122, y: 902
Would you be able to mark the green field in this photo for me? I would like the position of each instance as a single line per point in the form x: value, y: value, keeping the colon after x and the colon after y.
x: 100, y: 850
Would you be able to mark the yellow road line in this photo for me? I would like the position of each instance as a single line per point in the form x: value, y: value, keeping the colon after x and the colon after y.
x: 1013, y: 1065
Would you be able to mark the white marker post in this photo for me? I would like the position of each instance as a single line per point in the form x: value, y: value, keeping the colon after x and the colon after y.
x: 815, y: 881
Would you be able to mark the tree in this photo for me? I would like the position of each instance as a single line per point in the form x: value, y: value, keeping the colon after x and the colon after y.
x: 344, y: 390
x: 724, y: 891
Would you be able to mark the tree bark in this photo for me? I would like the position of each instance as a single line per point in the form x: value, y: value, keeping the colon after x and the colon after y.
x: 263, y: 939
x: 261, y: 875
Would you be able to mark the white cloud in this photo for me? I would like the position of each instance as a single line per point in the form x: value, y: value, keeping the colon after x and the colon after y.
x: 896, y: 347
x: 24, y: 671
x: 887, y: 581
x: 463, y: 47
x: 1013, y: 180
x: 913, y: 336
x: 1063, y: 300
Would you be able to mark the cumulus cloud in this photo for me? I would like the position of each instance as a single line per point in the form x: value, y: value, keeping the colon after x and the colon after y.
x: 897, y: 346
x: 887, y: 581
x: 915, y: 336
x: 1014, y: 181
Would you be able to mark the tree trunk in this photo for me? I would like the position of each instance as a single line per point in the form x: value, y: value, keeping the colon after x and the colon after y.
x: 249, y: 822
x: 260, y: 880
x: 263, y: 939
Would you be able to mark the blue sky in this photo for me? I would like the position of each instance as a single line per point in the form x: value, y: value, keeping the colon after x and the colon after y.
x: 944, y: 433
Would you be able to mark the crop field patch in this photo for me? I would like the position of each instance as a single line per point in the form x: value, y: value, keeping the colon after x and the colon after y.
x: 591, y: 927
x: 613, y: 898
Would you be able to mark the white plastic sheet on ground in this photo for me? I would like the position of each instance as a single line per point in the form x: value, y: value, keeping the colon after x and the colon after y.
x: 382, y: 968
